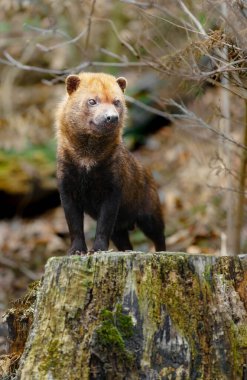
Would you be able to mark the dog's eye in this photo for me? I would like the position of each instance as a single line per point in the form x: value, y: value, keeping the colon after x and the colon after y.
x: 92, y: 102
x: 117, y: 103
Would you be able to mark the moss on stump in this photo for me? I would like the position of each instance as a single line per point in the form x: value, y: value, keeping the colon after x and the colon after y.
x: 139, y: 316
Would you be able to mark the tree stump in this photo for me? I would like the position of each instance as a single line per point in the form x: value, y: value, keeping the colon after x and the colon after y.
x: 139, y: 316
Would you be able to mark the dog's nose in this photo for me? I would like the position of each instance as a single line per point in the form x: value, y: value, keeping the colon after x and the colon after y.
x: 111, y: 118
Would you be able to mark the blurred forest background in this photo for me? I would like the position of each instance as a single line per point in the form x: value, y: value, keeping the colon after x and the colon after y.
x: 185, y: 62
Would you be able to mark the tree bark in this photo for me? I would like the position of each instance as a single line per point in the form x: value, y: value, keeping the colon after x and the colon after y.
x: 139, y: 316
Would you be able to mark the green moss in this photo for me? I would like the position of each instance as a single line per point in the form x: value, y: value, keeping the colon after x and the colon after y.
x: 238, y: 342
x: 235, y: 340
x: 107, y: 315
x: 90, y: 262
x: 35, y: 285
x: 15, y: 168
x: 208, y: 274
x: 124, y: 323
x: 188, y: 297
x: 242, y: 336
x: 53, y: 348
x: 115, y: 327
x: 173, y: 282
x: 39, y: 153
x: 109, y: 337
x: 52, y: 357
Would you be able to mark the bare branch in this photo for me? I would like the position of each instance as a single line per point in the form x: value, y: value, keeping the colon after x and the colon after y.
x: 19, y: 268
x: 137, y: 3
x: 151, y: 4
x: 121, y: 40
x: 61, y: 44
x: 177, y: 25
x: 43, y: 31
x: 113, y: 55
x: 153, y: 110
x: 189, y: 115
x: 13, y: 62
x: 89, y: 24
x: 226, y: 68
x: 227, y: 189
x: 51, y: 82
x: 236, y: 90
x: 193, y: 18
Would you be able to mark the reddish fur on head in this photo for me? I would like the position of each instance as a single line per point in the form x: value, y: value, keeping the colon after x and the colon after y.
x: 88, y: 80
x: 79, y: 120
x: 75, y: 113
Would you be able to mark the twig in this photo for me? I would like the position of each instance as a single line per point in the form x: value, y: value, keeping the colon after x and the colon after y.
x: 192, y: 116
x: 177, y: 25
x: 241, y: 92
x: 124, y: 43
x: 152, y: 4
x: 193, y: 18
x: 227, y: 189
x: 153, y: 110
x: 61, y: 44
x: 46, y: 31
x: 226, y: 68
x: 137, y: 3
x: 51, y: 82
x: 13, y: 62
x: 242, y: 193
x: 113, y: 55
x: 161, y: 35
x: 89, y: 24
x: 17, y: 267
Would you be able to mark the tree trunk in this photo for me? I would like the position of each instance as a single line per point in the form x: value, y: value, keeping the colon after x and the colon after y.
x: 139, y: 316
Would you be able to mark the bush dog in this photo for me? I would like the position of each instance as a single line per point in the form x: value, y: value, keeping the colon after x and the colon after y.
x: 96, y: 173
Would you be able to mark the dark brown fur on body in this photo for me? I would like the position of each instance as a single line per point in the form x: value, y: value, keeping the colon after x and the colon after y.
x: 96, y: 173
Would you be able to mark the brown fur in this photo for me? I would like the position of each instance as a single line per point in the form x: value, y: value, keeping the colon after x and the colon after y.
x: 96, y: 173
